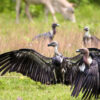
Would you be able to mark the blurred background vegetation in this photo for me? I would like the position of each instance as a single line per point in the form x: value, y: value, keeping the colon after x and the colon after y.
x: 9, y: 5
x: 83, y: 9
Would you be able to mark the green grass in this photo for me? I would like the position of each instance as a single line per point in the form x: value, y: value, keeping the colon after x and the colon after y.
x: 12, y: 88
x: 69, y: 36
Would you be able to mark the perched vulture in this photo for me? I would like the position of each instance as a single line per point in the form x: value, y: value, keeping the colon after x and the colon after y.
x: 87, y: 77
x: 90, y: 40
x: 48, y: 35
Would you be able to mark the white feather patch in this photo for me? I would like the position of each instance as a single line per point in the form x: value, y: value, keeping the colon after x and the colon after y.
x: 89, y: 60
x: 51, y: 32
x: 61, y: 59
x: 63, y: 70
x: 82, y: 67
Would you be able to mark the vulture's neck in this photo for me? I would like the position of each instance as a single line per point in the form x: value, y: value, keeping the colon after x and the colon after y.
x: 87, y: 34
x: 87, y: 59
x: 56, y: 51
x: 54, y: 30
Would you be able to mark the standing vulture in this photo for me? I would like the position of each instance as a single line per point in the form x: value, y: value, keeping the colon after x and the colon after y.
x: 48, y: 35
x: 87, y: 37
x: 90, y: 40
x: 34, y: 65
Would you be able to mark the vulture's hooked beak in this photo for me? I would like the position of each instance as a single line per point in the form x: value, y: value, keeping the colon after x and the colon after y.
x: 78, y: 50
x: 51, y: 44
x: 58, y: 24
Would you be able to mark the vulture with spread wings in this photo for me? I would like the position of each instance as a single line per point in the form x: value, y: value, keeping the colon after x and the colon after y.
x: 34, y: 65
x: 87, y: 77
x: 81, y: 71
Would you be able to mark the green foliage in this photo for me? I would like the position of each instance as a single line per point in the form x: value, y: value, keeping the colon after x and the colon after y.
x: 7, y: 5
x: 85, y: 1
x: 36, y: 9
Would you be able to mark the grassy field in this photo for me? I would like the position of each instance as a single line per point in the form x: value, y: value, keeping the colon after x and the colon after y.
x: 69, y: 35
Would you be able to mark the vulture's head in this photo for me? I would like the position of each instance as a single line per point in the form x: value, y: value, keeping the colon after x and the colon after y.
x: 86, y: 57
x: 53, y: 44
x: 86, y: 28
x: 54, y: 25
x: 83, y: 51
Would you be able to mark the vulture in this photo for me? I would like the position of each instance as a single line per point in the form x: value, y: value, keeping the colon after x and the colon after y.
x: 90, y: 40
x: 86, y: 76
x: 86, y: 37
x: 47, y: 70
x: 48, y: 35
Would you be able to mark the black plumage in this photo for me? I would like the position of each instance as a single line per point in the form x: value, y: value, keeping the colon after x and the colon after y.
x: 48, y: 35
x: 86, y: 77
x: 34, y: 65
x: 28, y: 62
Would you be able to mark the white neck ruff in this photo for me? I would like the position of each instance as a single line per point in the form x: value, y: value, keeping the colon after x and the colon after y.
x: 87, y: 34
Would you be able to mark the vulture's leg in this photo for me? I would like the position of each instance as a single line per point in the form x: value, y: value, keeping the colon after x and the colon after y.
x: 63, y: 77
x: 55, y: 75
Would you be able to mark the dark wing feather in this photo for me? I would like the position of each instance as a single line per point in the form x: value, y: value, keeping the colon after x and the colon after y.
x: 29, y: 63
x: 91, y: 82
x: 77, y: 83
x: 72, y: 65
x: 85, y: 81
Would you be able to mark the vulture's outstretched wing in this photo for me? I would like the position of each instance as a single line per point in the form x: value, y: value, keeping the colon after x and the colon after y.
x: 90, y: 85
x: 72, y: 66
x: 29, y: 63
x: 94, y: 52
x: 88, y: 80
